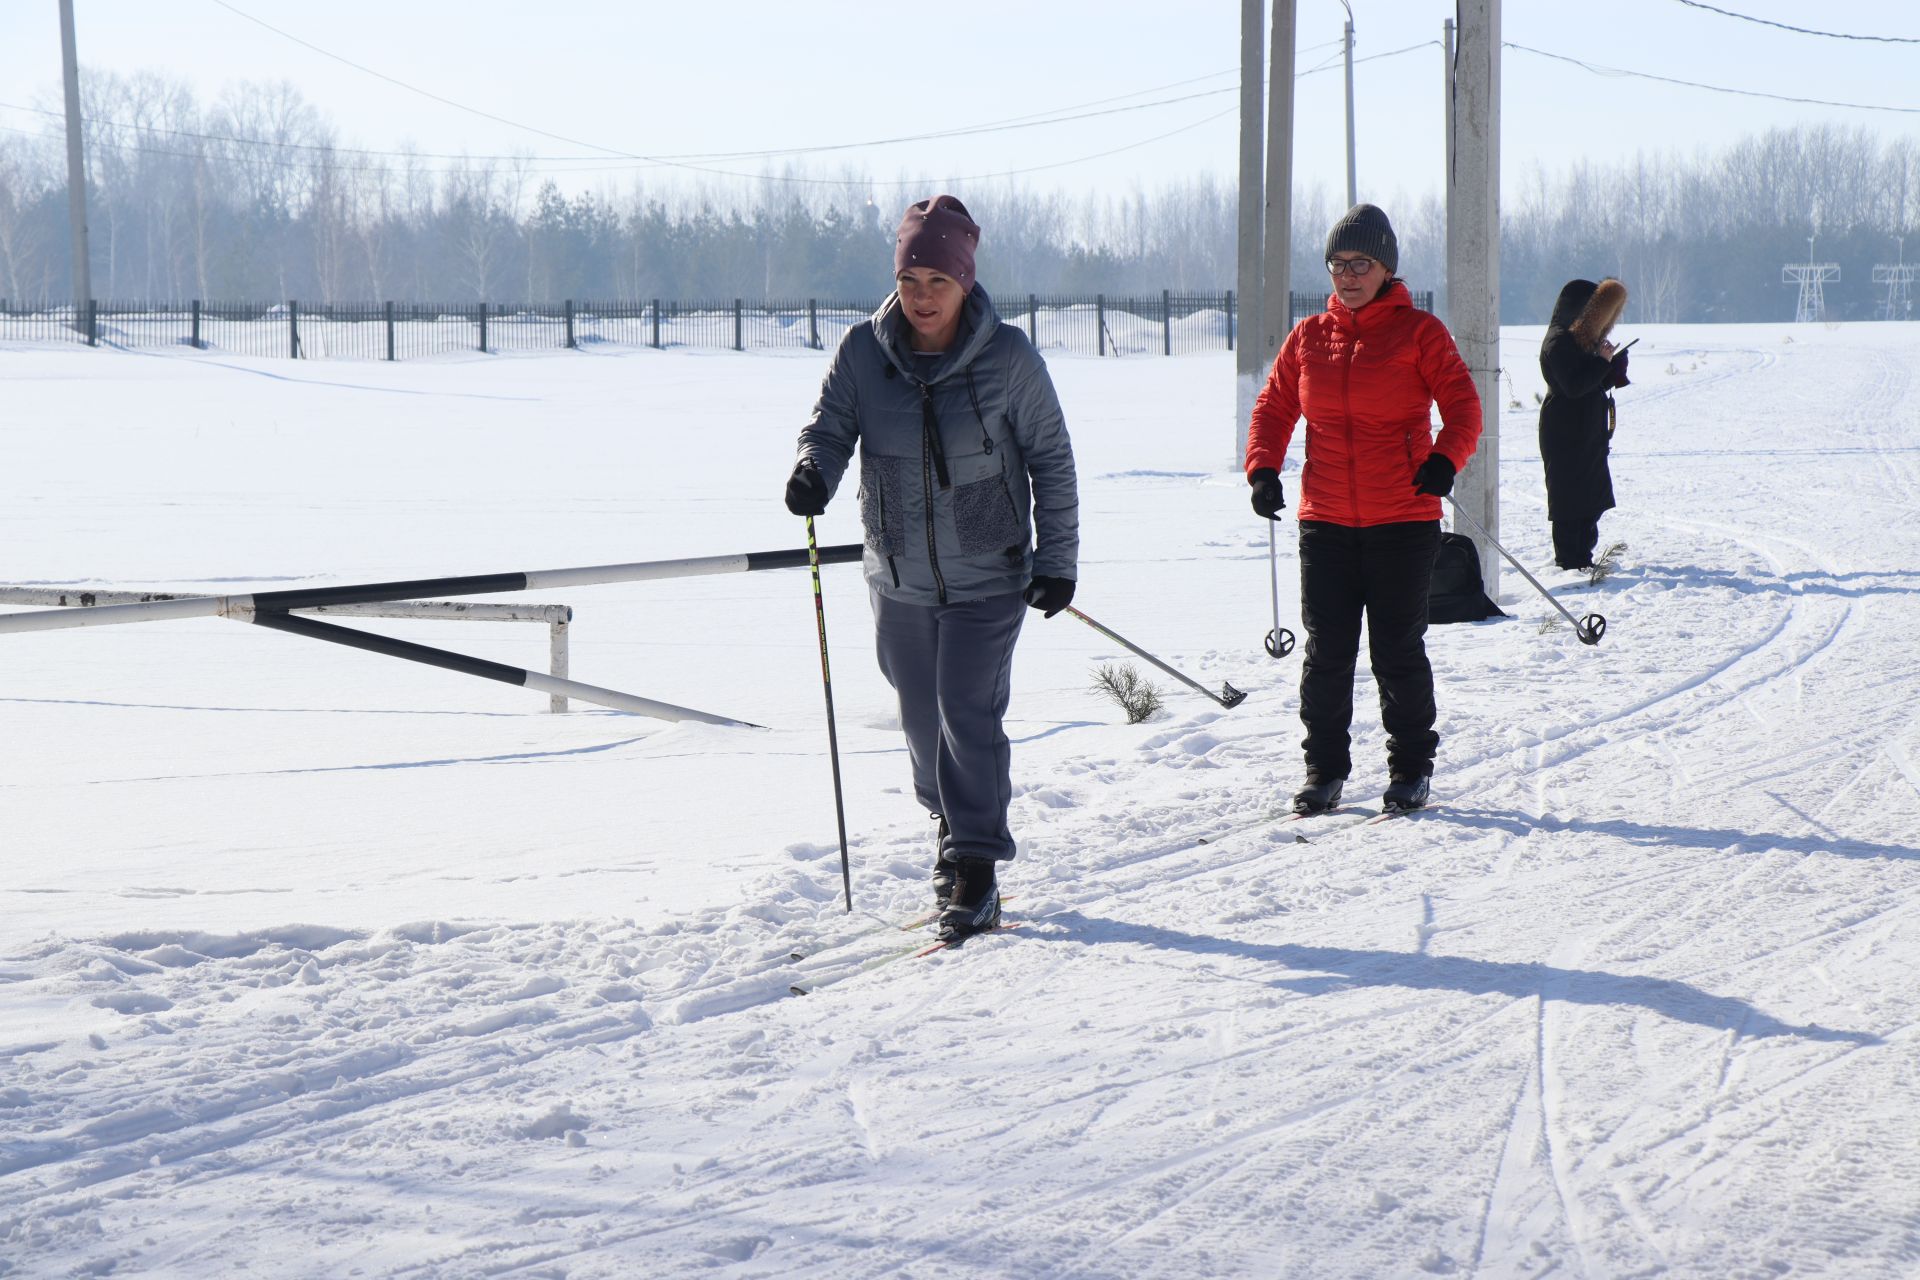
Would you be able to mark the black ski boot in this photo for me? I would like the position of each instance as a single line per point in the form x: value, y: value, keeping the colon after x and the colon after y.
x: 1405, y: 793
x: 975, y: 904
x: 942, y: 870
x: 1319, y: 795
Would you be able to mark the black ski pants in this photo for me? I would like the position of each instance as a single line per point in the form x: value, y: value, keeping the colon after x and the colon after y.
x: 1574, y: 541
x: 1382, y: 572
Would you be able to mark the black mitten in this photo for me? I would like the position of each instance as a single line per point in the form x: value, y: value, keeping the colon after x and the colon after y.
x: 1049, y: 594
x: 1268, y: 497
x: 1618, y: 375
x: 1435, y: 476
x: 806, y: 490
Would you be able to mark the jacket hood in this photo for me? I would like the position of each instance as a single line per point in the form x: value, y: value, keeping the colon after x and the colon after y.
x: 1588, y: 311
x: 978, y: 320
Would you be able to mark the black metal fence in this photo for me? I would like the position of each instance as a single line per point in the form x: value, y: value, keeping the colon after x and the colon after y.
x: 1167, y: 325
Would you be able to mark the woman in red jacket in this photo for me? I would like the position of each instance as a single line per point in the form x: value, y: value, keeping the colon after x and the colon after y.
x: 1364, y: 373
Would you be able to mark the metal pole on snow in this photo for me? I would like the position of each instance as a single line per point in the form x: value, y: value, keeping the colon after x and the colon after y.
x: 1589, y: 628
x: 1228, y: 695
x: 313, y: 628
x: 420, y: 589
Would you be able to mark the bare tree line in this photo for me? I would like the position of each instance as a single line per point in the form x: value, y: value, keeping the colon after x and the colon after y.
x: 253, y: 196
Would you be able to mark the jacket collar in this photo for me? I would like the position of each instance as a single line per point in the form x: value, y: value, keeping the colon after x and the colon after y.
x: 1392, y: 300
x: 977, y: 323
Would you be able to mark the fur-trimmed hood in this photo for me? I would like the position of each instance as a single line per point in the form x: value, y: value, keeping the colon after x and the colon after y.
x: 1587, y: 312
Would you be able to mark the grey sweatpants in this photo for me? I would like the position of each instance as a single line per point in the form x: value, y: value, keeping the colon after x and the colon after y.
x: 952, y: 665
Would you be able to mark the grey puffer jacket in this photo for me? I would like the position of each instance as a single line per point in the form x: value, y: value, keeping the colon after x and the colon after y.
x: 964, y: 457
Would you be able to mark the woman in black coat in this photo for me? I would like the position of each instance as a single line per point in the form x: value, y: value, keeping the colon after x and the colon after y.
x: 1576, y: 419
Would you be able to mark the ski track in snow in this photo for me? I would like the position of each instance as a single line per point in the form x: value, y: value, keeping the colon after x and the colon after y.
x: 1633, y: 998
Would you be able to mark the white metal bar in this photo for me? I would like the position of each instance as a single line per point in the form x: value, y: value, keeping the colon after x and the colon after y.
x: 451, y: 610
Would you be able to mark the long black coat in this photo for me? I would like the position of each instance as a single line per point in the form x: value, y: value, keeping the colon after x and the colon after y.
x: 1574, y: 439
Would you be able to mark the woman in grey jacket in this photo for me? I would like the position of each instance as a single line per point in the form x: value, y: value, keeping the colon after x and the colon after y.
x: 971, y: 512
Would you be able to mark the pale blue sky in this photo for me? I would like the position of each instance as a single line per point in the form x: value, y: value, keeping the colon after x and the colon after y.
x: 748, y: 75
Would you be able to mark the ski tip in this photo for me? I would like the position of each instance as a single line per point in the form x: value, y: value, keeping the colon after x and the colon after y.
x: 797, y: 990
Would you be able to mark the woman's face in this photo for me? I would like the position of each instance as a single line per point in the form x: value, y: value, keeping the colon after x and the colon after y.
x: 1357, y: 279
x: 932, y: 302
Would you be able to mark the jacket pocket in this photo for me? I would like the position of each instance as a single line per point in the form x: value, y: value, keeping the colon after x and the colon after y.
x: 882, y: 516
x: 984, y: 517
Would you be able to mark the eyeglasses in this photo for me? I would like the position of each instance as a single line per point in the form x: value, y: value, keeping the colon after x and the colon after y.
x: 1358, y: 266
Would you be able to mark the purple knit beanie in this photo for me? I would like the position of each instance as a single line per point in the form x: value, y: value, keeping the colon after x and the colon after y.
x: 938, y: 234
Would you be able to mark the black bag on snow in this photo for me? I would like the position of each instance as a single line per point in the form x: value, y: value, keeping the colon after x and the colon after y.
x: 1458, y: 594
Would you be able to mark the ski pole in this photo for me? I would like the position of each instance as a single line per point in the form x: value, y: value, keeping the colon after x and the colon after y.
x: 833, y: 737
x: 1228, y: 695
x: 1279, y: 641
x: 1589, y: 628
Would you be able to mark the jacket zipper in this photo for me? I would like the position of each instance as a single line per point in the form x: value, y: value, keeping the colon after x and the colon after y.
x: 891, y: 567
x: 932, y: 459
x: 1353, y: 446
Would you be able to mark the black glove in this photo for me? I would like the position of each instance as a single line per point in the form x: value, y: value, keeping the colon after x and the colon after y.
x: 1618, y: 376
x: 1435, y: 476
x: 1268, y: 497
x: 1049, y: 594
x: 806, y: 490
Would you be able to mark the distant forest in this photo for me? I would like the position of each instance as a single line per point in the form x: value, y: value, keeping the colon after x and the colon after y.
x: 252, y: 198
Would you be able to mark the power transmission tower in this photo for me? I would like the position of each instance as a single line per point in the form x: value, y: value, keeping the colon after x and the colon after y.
x: 1810, y: 276
x: 1898, y: 277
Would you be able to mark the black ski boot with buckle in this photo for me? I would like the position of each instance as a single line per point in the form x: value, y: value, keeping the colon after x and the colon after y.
x: 975, y: 904
x: 1405, y: 793
x: 1321, y: 793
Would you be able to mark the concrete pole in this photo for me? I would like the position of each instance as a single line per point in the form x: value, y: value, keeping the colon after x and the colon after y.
x: 1277, y: 296
x: 1446, y: 95
x: 1473, y: 255
x: 1353, y: 182
x: 76, y: 166
x: 1247, y: 366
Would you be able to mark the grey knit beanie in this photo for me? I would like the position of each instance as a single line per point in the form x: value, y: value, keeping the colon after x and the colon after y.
x: 1365, y: 229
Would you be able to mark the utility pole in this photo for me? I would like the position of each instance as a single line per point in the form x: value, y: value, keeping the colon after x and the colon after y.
x: 1446, y: 96
x: 76, y: 167
x: 1248, y: 278
x: 1353, y: 187
x: 1277, y: 314
x: 1473, y: 254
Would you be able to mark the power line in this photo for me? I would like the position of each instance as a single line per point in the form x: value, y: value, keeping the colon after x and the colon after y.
x: 581, y: 164
x: 295, y: 162
x: 1805, y: 31
x: 1600, y: 70
x: 1017, y: 122
x: 458, y: 106
x: 681, y: 161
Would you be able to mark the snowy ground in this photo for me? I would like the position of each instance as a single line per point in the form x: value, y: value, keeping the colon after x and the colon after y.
x: 313, y: 963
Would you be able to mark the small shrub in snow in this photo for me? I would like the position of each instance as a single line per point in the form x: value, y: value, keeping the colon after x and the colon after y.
x: 1122, y: 682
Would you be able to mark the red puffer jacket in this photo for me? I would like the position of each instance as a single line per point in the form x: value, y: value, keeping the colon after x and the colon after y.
x: 1365, y: 380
